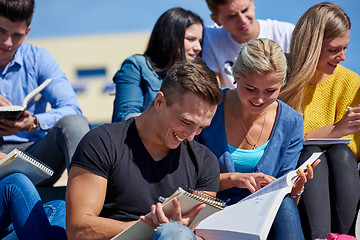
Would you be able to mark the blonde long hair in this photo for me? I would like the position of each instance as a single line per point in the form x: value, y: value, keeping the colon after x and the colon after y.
x: 261, y: 56
x: 321, y: 21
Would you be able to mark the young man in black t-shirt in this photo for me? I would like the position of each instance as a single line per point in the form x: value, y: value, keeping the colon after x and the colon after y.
x: 119, y: 170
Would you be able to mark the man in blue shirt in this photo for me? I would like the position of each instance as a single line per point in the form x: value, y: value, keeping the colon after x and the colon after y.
x: 49, y: 135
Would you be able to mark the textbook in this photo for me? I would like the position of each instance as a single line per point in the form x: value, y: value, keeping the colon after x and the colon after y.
x: 252, y: 217
x: 326, y: 141
x: 141, y: 231
x: 17, y: 161
x: 14, y: 112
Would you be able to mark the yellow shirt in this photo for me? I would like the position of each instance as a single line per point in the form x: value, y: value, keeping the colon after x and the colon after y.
x: 326, y: 103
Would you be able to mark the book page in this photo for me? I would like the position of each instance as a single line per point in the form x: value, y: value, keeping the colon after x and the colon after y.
x: 11, y: 112
x: 287, y: 180
x: 251, y: 216
x: 33, y: 96
x: 280, y: 183
x: 254, y: 215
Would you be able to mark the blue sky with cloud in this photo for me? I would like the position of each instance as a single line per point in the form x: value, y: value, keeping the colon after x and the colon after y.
x: 55, y: 18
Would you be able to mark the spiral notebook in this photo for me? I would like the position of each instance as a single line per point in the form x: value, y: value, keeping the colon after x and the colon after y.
x: 17, y: 161
x: 142, y: 231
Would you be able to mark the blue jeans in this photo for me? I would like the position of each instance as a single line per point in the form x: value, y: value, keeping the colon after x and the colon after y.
x: 22, y: 214
x: 287, y: 223
x: 174, y: 231
x: 57, y: 147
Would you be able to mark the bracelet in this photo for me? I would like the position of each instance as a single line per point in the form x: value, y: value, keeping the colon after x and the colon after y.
x: 297, y: 195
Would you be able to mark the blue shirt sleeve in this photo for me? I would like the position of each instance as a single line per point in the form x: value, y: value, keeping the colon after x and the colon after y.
x: 59, y: 93
x: 128, y: 97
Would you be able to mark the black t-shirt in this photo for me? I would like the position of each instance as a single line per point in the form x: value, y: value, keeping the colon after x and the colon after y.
x: 135, y: 181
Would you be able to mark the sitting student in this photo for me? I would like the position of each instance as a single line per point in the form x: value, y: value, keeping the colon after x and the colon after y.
x: 258, y: 138
x: 50, y: 136
x: 22, y: 214
x: 321, y: 89
x: 119, y: 170
x: 177, y: 35
x: 235, y: 25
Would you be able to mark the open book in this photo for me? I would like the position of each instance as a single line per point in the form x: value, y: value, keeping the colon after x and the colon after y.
x: 141, y: 231
x: 17, y: 161
x: 252, y: 217
x: 326, y: 141
x: 14, y: 112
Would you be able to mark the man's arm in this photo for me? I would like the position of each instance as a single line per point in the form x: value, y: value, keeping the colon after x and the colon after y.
x: 85, y: 196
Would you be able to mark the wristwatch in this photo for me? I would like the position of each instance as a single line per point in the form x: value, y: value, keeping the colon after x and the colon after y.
x: 35, y: 126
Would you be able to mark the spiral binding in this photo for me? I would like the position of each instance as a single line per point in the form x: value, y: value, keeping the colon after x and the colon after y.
x: 35, y: 161
x: 206, y: 198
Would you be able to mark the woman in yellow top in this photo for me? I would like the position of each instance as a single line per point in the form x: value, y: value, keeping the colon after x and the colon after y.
x: 322, y: 90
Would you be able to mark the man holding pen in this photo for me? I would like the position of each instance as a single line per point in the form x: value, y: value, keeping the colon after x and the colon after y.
x: 119, y: 170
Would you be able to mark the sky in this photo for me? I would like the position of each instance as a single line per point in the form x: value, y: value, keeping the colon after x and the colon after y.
x: 58, y: 18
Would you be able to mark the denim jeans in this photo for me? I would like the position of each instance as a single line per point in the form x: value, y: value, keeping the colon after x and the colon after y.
x: 174, y: 231
x: 57, y: 147
x: 22, y: 214
x: 287, y: 223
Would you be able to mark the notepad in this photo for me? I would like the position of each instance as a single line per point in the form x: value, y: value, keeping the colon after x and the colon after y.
x: 326, y: 141
x: 18, y: 161
x: 141, y: 231
x: 13, y: 112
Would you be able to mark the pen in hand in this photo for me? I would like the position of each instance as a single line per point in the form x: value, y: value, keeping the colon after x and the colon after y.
x: 161, y: 199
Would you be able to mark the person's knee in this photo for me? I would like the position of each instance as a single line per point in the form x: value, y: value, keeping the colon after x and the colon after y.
x: 74, y: 127
x: 341, y: 151
x: 18, y: 179
x: 75, y: 121
x: 18, y: 183
x: 175, y: 231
